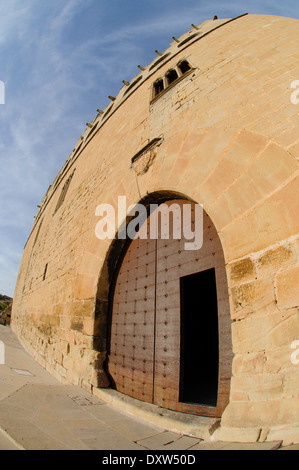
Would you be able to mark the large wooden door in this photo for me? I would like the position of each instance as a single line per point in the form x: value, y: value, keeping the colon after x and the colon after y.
x: 152, y: 322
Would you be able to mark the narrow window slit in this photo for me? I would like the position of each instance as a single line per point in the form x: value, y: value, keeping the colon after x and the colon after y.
x: 45, y: 272
x: 158, y: 87
x: 184, y: 66
x: 171, y: 76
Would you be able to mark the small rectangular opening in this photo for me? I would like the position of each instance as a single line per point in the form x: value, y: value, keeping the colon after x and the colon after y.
x: 92, y: 130
x: 199, y: 339
x: 132, y: 85
x: 159, y: 61
x: 188, y: 39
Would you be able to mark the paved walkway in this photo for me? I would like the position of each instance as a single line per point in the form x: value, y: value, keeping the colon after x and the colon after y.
x: 39, y: 413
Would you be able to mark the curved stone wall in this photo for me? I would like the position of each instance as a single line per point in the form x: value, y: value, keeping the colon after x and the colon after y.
x: 225, y: 135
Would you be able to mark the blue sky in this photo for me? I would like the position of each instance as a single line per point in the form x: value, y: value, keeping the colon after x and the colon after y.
x: 59, y: 61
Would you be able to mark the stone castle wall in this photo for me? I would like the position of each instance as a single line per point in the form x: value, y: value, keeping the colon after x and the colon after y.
x: 230, y: 141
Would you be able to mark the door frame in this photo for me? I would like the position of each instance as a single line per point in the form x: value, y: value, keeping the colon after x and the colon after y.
x: 123, y: 246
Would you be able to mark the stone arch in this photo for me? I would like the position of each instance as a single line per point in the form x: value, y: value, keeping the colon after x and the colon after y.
x: 104, y: 303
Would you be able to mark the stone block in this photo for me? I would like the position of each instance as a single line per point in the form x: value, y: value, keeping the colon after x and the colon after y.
x: 277, y: 359
x: 276, y: 258
x: 267, y: 223
x: 258, y: 386
x: 252, y: 297
x: 287, y: 288
x: 276, y: 412
x: 82, y: 308
x: 289, y: 435
x: 241, y: 271
x: 291, y: 380
x: 266, y: 173
x: 61, y: 371
x: 234, y: 162
x: 261, y: 332
x: 90, y: 264
x: 249, y: 364
x: 213, y: 145
x: 86, y: 326
x: 85, y: 286
x: 294, y: 150
x: 238, y: 434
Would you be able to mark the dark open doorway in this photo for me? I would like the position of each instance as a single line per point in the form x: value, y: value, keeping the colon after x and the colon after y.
x: 199, y: 339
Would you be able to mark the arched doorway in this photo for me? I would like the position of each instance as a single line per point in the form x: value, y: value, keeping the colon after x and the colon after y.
x: 170, y: 329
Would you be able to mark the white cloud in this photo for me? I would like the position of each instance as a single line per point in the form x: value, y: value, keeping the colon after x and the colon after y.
x: 13, y: 16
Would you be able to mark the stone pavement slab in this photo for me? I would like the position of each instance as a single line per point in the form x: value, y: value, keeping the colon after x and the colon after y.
x: 295, y: 447
x: 111, y: 440
x: 39, y: 413
x: 237, y: 446
x: 6, y: 443
x: 168, y: 441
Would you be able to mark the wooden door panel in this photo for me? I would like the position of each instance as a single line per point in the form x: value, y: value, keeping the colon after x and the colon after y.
x: 130, y: 362
x: 173, y: 263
